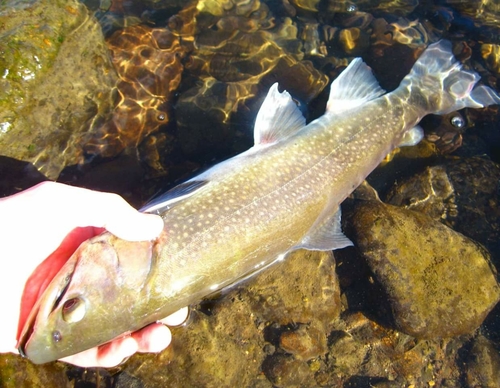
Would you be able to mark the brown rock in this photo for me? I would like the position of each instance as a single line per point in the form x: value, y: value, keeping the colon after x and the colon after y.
x: 440, y: 283
x: 67, y: 83
x: 483, y: 366
x: 224, y: 344
x: 305, y: 343
x: 286, y: 371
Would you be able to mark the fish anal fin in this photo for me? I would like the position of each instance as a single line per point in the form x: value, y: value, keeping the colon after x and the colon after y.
x: 352, y: 88
x: 278, y: 118
x: 412, y: 137
x: 326, y: 234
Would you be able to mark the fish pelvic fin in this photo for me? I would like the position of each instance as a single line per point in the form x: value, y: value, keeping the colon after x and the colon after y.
x: 326, y: 234
x: 439, y: 81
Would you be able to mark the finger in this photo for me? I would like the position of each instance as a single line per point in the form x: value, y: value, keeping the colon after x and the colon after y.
x: 112, y: 212
x: 105, y: 356
x: 136, y: 226
x: 85, y: 359
x: 177, y: 318
x: 153, y: 338
x: 114, y: 352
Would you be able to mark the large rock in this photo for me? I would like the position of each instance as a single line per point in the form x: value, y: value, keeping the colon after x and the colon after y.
x: 462, y: 193
x: 57, y: 77
x: 440, y: 283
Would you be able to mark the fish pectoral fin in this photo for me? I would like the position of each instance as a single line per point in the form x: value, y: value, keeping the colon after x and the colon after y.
x: 278, y: 118
x: 326, y: 235
x: 412, y: 137
x: 352, y: 88
x: 171, y: 197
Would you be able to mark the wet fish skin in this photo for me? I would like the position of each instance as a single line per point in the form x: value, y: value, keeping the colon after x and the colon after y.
x: 243, y: 214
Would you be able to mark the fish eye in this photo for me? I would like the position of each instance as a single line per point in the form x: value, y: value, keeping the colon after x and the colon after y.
x: 457, y: 121
x: 73, y: 310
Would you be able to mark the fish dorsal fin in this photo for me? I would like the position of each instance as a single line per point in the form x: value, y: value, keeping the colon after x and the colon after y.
x: 326, y: 234
x: 172, y: 196
x: 352, y: 88
x: 278, y: 118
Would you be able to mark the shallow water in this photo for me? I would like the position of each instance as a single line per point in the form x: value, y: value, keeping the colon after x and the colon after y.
x: 183, y: 83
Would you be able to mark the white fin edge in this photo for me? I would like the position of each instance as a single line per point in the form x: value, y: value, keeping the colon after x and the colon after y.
x: 326, y: 234
x: 352, y: 88
x: 278, y: 118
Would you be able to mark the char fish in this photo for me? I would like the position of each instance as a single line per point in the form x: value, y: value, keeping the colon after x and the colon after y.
x: 243, y: 214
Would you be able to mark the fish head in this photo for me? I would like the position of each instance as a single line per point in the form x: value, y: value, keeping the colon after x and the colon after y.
x: 86, y: 304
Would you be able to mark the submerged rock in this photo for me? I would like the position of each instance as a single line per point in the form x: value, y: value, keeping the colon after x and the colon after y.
x: 149, y: 65
x: 285, y: 371
x: 483, y: 366
x: 57, y: 78
x: 429, y: 192
x: 243, y: 49
x: 440, y: 283
x: 363, y: 353
x: 305, y: 343
x: 19, y: 372
x: 462, y: 193
x: 227, y: 341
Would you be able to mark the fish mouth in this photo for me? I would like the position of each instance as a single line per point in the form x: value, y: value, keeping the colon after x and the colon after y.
x: 35, y: 340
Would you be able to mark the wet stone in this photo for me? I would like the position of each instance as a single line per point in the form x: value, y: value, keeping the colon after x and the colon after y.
x: 439, y: 282
x: 445, y: 132
x: 305, y: 343
x: 58, y: 78
x: 353, y: 41
x: 286, y: 371
x: 348, y: 354
x: 313, y: 297
x: 148, y: 63
x: 20, y: 372
x: 461, y: 193
x: 491, y: 54
x: 226, y: 341
x: 242, y: 51
x: 429, y: 192
x: 483, y: 366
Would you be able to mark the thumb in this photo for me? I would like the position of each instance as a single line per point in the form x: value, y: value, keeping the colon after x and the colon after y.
x: 134, y: 226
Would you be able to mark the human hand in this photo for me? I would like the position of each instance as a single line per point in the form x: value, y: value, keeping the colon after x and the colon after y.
x: 41, y: 227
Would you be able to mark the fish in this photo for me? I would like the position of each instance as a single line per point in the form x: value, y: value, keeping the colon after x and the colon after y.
x: 243, y: 214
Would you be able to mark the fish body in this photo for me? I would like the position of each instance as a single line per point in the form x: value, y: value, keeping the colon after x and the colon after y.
x: 245, y: 213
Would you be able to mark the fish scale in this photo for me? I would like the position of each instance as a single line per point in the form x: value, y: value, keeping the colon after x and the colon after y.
x: 249, y: 211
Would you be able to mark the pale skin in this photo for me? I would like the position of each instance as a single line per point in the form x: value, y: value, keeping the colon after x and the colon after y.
x: 40, y: 228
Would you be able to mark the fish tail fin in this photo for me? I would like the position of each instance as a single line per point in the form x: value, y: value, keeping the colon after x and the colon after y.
x: 439, y: 80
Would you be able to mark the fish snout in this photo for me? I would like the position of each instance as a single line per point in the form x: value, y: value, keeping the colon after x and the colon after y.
x: 71, y: 304
x: 33, y: 336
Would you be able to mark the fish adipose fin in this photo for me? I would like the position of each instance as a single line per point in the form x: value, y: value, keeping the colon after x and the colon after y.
x: 278, y: 118
x: 326, y: 234
x: 352, y: 88
x: 438, y: 81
